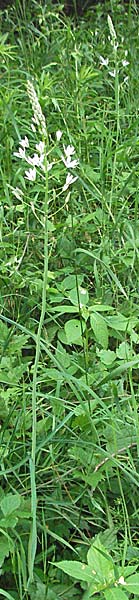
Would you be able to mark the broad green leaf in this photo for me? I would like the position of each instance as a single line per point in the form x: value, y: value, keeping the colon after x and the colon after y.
x: 129, y: 570
x: 9, y: 521
x: 37, y: 591
x: 118, y: 322
x: 70, y: 282
x: 4, y: 549
x: 132, y: 584
x: 124, y: 351
x: 73, y: 331
x: 101, y: 308
x: 91, y: 174
x: 65, y: 308
x: 74, y: 568
x: 93, y: 479
x: 10, y: 503
x: 79, y: 297
x: 99, y: 559
x: 100, y: 329
x: 107, y: 357
x: 115, y: 594
x: 54, y: 374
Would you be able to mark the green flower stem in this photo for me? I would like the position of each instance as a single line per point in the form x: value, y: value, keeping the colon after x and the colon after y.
x: 33, y: 533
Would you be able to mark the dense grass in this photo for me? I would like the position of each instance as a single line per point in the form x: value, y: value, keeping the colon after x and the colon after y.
x: 69, y: 282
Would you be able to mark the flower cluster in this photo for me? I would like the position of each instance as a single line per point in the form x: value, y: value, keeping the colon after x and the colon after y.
x: 38, y: 118
x: 39, y: 159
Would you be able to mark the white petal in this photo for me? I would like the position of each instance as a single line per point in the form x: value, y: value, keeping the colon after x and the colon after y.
x: 31, y: 174
x: 24, y: 142
x: 69, y: 180
x: 40, y: 147
x: 17, y: 193
x: 20, y: 154
x: 58, y: 135
x: 104, y: 61
x: 69, y: 150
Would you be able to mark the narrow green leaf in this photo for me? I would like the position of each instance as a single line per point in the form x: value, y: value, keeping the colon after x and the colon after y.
x: 6, y: 595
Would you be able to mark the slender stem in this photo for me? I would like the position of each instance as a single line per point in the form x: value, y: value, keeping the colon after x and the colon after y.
x: 33, y: 534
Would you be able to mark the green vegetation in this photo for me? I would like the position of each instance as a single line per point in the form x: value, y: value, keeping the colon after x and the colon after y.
x: 69, y: 311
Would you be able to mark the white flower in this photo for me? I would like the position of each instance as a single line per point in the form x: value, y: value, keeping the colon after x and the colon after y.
x: 58, y: 135
x: 104, y: 61
x: 69, y: 150
x: 122, y: 581
x: 70, y: 164
x: 112, y: 73
x: 40, y: 147
x: 38, y: 118
x: 125, y: 63
x: 69, y: 179
x: 24, y: 142
x: 49, y: 166
x: 31, y: 174
x: 20, y: 153
x: 111, y: 28
x: 35, y: 160
x: 17, y: 193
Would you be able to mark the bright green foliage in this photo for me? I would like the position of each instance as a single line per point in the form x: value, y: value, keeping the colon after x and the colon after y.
x: 69, y: 311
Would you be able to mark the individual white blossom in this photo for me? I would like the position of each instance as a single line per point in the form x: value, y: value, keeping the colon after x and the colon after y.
x: 112, y: 73
x: 104, y: 61
x: 121, y: 580
x: 69, y: 151
x: 31, y: 174
x: 58, y: 135
x: 24, y: 143
x: 126, y: 79
x: 17, y: 192
x: 36, y: 160
x: 40, y: 147
x: 69, y: 180
x: 49, y: 166
x: 125, y: 63
x: 20, y: 153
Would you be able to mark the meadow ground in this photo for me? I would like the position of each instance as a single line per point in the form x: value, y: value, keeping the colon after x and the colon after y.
x: 69, y: 310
